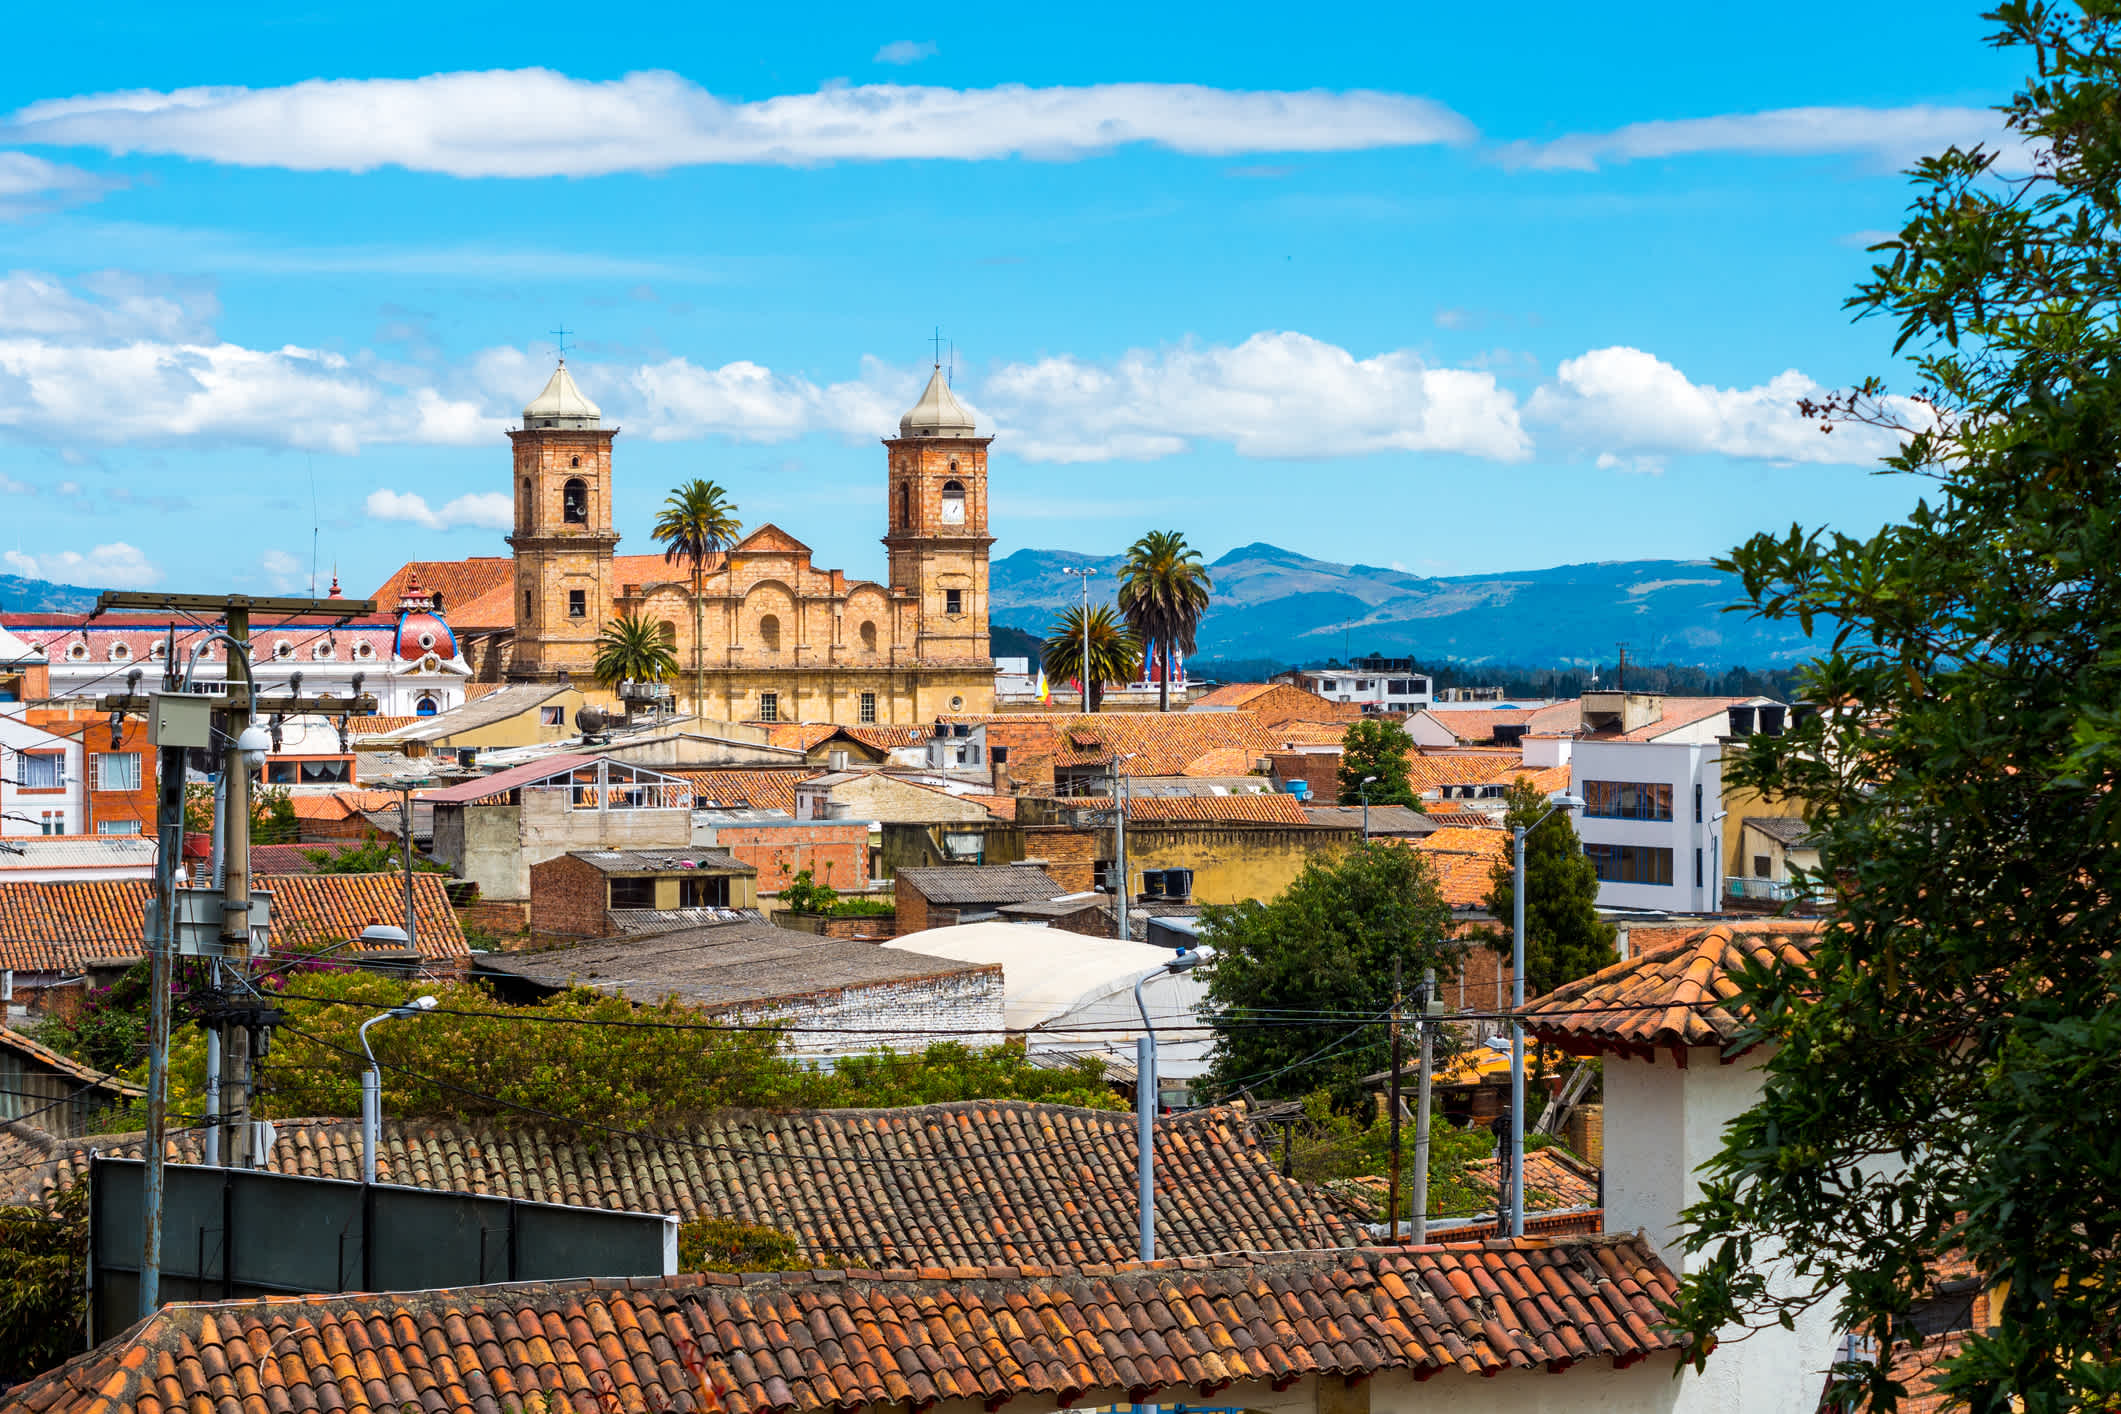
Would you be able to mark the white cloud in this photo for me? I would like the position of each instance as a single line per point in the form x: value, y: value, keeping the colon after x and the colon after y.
x: 30, y: 184
x: 113, y: 566
x: 536, y: 123
x: 1890, y: 137
x: 124, y: 307
x: 484, y: 510
x: 1274, y: 395
x: 905, y: 51
x: 1634, y: 409
x: 283, y: 569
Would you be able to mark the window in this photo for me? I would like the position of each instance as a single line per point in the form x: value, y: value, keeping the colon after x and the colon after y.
x: 1697, y: 802
x: 1697, y: 866
x: 119, y: 653
x: 865, y: 713
x: 335, y: 771
x: 526, y: 603
x: 953, y: 601
x: 1626, y: 800
x: 633, y: 893
x: 905, y: 505
x: 971, y: 755
x: 551, y: 716
x: 574, y: 461
x: 770, y: 633
x: 999, y: 755
x: 117, y: 770
x: 117, y: 827
x: 769, y: 706
x: 577, y: 603
x: 703, y: 893
x: 1762, y: 868
x: 1630, y: 863
x: 41, y: 770
x: 426, y: 707
x: 574, y: 501
x: 53, y: 822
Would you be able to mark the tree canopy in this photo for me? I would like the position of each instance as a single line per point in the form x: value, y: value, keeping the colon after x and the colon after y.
x: 1376, y: 746
x: 1564, y: 938
x: 1115, y: 653
x: 1945, y: 1074
x: 631, y: 649
x: 1296, y: 984
x: 697, y: 522
x: 1163, y: 592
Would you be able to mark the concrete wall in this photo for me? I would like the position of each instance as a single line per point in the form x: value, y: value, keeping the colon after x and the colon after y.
x: 479, y: 843
x: 873, y: 795
x: 549, y: 829
x: 1231, y: 863
x: 968, y: 1003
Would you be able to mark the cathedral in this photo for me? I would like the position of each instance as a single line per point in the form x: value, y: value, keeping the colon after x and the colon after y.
x: 779, y: 639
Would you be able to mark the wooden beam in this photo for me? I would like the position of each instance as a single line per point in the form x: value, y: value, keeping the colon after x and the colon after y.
x: 263, y: 605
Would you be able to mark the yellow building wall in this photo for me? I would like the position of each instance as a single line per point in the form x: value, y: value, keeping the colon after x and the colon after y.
x: 523, y: 729
x: 1739, y: 803
x: 1232, y: 863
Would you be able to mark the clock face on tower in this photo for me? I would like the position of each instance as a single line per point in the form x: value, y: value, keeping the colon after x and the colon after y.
x: 953, y: 511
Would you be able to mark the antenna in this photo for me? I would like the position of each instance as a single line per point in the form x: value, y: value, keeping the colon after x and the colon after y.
x: 951, y: 377
x: 313, y: 530
x: 560, y: 334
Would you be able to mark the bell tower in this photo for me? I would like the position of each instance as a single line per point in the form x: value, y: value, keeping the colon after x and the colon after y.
x: 937, y: 540
x: 563, y: 539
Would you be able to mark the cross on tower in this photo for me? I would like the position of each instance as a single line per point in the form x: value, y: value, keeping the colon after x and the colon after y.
x: 938, y: 342
x: 561, y: 334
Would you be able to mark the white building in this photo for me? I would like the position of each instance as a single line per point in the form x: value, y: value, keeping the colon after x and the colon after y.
x: 43, y: 789
x: 1649, y: 769
x: 1376, y: 684
x: 406, y: 656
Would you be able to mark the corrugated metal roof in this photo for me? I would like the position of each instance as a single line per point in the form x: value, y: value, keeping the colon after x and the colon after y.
x: 659, y: 861
x: 46, y: 852
x: 982, y: 883
x: 502, y: 782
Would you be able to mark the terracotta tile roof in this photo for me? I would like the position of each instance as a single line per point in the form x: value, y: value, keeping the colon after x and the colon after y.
x: 1678, y: 712
x: 459, y: 582
x: 338, y: 805
x: 1670, y: 994
x: 1161, y: 743
x: 1433, y: 770
x: 1257, y: 807
x: 1469, y: 819
x: 59, y: 927
x: 294, y: 858
x: 365, y: 726
x: 1231, y: 694
x: 775, y: 1343
x: 1464, y: 860
x: 1474, y: 725
x: 473, y: 691
x: 975, y: 1181
x: 1001, y: 807
x: 1553, y: 1178
x: 761, y: 788
x: 1223, y: 761
x: 799, y: 736
x: 886, y: 738
x: 42, y: 1055
x: 1309, y: 733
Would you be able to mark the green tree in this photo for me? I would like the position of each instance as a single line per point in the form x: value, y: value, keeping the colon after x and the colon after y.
x: 1376, y: 746
x: 272, y: 813
x: 109, y: 1030
x: 631, y: 649
x: 43, y: 1293
x: 1115, y: 653
x: 1945, y: 1072
x: 1292, y: 981
x: 369, y: 857
x: 697, y: 522
x: 1564, y: 938
x: 1163, y: 591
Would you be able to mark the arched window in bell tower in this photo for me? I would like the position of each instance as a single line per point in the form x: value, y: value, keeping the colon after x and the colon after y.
x: 905, y: 506
x: 574, y: 501
x: 953, y: 502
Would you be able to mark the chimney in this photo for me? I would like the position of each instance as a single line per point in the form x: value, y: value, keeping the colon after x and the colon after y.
x: 837, y: 758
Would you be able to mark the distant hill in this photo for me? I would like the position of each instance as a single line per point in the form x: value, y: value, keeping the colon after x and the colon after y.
x: 1275, y: 603
x: 41, y: 596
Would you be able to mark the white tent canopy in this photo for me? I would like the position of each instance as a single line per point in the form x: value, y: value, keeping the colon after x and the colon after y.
x: 1073, y: 993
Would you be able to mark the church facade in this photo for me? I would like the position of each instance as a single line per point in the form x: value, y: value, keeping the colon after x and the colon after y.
x: 779, y: 638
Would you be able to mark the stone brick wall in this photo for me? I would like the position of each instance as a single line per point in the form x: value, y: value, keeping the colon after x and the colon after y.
x: 861, y: 928
x: 1586, y: 1133
x: 568, y: 897
x: 504, y: 919
x: 912, y: 908
x: 1318, y: 769
x: 905, y: 1016
x: 835, y: 852
x: 1070, y: 854
x: 553, y: 557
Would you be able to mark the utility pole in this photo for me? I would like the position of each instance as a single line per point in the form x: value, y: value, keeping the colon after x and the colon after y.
x: 1420, y: 1205
x: 235, y: 909
x: 1392, y: 1202
x: 405, y: 818
x: 1125, y: 930
x: 161, y: 957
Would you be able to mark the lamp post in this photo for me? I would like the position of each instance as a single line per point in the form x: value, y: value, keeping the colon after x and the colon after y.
x: 1558, y: 802
x: 1084, y: 574
x: 1364, y: 791
x: 1145, y: 1099
x: 372, y: 1085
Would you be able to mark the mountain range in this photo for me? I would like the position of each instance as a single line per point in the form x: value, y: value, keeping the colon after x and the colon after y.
x: 1275, y: 603
x: 1278, y: 604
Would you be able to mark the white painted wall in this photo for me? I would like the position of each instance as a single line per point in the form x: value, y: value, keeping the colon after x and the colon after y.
x: 22, y: 811
x: 1682, y: 766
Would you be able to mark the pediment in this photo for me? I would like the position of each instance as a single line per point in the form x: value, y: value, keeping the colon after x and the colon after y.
x: 770, y: 539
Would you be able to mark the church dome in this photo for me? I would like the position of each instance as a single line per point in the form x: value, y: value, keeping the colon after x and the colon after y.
x: 421, y: 628
x: 561, y: 404
x: 937, y: 414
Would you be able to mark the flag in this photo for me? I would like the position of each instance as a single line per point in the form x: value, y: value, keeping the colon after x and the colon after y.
x: 1045, y: 691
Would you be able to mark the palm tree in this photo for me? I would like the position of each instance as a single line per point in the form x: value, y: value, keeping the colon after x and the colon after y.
x: 1163, y: 591
x: 631, y: 649
x: 1115, y: 653
x: 697, y: 522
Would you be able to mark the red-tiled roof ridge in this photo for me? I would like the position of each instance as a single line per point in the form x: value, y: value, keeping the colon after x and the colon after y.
x: 849, y: 1341
x: 1671, y: 997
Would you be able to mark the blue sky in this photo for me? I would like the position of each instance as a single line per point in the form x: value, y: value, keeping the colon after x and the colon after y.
x: 1436, y: 286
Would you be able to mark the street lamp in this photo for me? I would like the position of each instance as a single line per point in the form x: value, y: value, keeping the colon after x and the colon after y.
x: 1145, y: 1099
x: 1557, y: 802
x: 372, y: 1085
x: 1364, y: 791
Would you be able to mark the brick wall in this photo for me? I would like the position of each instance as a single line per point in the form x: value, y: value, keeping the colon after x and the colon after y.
x: 835, y: 852
x: 859, y: 928
x: 504, y: 919
x: 912, y: 908
x: 1070, y: 854
x: 1586, y: 1133
x: 568, y: 897
x: 1318, y: 769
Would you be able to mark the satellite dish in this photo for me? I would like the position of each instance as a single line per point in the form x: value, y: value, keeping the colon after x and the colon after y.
x: 590, y: 720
